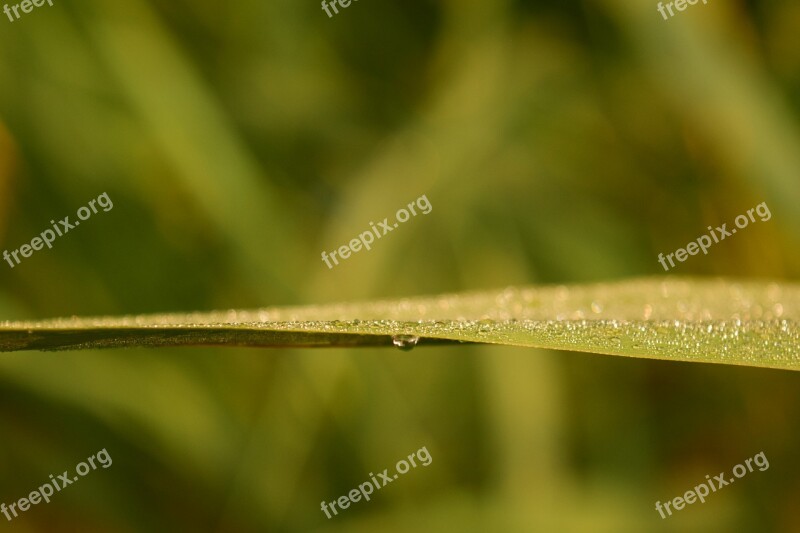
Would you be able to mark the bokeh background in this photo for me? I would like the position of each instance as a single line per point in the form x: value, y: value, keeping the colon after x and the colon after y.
x: 558, y: 142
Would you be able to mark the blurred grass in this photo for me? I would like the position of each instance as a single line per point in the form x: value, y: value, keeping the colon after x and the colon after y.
x: 557, y: 142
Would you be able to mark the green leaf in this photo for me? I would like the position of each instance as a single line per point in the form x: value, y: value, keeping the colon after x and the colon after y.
x: 715, y: 321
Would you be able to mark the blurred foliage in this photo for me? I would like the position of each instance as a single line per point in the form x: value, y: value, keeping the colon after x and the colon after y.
x: 557, y: 142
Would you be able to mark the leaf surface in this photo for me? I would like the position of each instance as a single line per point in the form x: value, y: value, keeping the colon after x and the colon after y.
x: 702, y: 320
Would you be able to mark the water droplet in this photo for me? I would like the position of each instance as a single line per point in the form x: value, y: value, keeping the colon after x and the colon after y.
x: 485, y: 325
x: 405, y: 342
x: 596, y: 307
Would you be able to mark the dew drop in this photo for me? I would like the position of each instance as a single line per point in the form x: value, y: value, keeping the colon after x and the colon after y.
x: 485, y: 325
x: 405, y: 342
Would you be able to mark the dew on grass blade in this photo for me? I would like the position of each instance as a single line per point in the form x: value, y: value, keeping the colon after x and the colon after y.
x: 681, y: 319
x: 405, y: 342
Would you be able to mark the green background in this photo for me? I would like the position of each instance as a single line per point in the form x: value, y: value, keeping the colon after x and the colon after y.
x: 558, y: 142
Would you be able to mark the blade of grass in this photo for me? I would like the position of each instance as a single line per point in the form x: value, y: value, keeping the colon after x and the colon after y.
x: 715, y: 321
